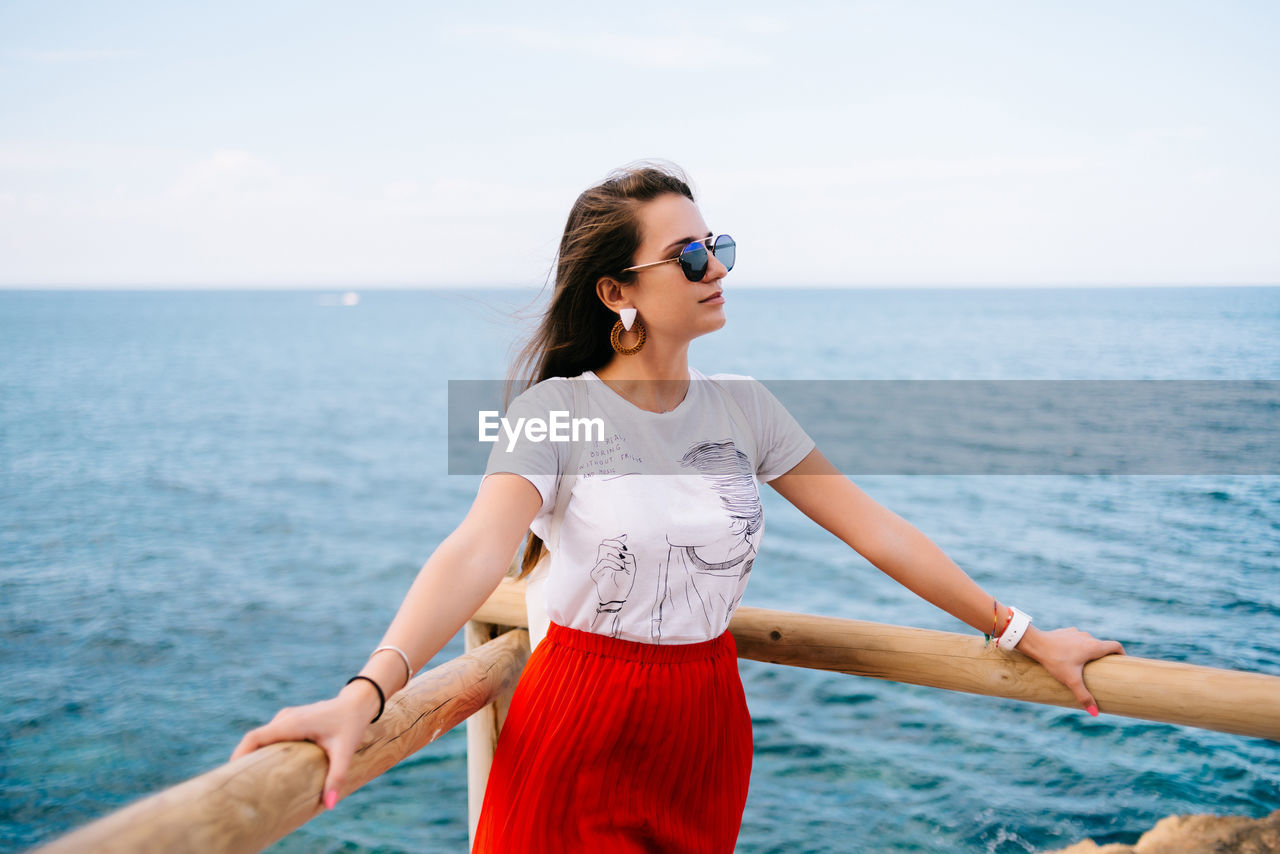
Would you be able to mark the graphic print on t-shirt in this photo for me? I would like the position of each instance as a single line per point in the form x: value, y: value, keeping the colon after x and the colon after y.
x: 695, y: 580
x: 615, y: 576
x: 661, y: 511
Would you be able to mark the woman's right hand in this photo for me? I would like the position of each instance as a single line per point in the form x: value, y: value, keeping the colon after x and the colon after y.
x: 337, y: 725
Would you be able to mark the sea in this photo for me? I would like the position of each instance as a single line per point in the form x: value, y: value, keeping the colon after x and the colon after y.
x: 213, y: 502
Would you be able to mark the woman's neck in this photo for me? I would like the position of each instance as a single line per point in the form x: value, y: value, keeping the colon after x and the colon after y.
x: 651, y: 379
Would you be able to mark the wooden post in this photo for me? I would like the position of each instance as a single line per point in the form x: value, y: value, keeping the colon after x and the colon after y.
x: 246, y: 805
x: 484, y: 726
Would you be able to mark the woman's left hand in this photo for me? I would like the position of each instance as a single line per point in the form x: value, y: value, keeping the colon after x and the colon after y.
x: 1064, y: 653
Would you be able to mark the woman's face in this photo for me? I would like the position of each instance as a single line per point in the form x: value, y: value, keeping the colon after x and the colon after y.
x: 670, y: 305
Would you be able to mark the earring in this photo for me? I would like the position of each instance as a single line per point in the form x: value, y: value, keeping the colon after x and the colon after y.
x: 615, y: 336
x: 628, y: 318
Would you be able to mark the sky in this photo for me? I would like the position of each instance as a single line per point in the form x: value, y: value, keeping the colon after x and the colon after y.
x: 414, y: 144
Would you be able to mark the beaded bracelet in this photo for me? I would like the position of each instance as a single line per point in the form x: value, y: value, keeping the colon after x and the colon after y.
x: 382, y: 700
x: 1005, y: 627
x: 995, y: 620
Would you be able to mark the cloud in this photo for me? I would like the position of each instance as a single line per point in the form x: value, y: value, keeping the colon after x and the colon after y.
x: 1143, y: 137
x: 237, y: 216
x: 228, y: 173
x: 71, y: 55
x: 468, y: 197
x: 904, y: 170
x: 694, y: 49
x: 18, y: 158
x: 758, y: 24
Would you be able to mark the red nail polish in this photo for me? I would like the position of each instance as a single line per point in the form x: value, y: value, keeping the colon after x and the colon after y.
x: 1093, y: 710
x: 331, y: 799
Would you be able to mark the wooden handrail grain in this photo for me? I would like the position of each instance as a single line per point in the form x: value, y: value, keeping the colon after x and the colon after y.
x: 248, y: 804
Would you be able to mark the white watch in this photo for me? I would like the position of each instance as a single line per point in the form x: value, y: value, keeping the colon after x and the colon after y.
x: 1017, y: 627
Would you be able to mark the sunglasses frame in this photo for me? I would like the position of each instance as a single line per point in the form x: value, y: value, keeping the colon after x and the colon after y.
x: 707, y: 244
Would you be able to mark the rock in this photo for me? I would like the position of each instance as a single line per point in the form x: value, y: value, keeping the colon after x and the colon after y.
x: 1091, y: 847
x: 1196, y: 834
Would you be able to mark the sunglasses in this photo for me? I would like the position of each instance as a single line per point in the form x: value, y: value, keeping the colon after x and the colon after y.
x: 696, y: 257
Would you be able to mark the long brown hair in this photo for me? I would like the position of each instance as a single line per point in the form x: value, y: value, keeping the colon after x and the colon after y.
x: 600, y: 239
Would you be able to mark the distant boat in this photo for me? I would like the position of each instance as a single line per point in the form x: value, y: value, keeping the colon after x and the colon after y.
x: 339, y: 300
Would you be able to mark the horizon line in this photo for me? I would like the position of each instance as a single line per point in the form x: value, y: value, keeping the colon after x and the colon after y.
x: 392, y: 286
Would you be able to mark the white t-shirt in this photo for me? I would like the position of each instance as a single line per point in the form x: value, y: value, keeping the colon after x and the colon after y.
x: 665, y: 519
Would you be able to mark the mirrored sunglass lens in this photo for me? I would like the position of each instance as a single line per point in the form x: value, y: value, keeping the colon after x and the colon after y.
x: 693, y: 260
x: 726, y: 251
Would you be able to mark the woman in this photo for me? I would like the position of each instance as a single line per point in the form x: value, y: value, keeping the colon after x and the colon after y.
x: 628, y: 729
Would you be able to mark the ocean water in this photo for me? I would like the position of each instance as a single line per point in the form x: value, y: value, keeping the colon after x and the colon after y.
x: 212, y: 503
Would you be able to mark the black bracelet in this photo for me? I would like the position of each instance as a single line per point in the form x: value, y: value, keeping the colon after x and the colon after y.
x: 382, y: 700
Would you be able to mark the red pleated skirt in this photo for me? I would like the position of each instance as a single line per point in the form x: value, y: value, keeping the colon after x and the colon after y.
x: 618, y: 746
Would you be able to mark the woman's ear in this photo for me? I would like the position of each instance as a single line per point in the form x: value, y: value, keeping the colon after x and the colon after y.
x: 610, y: 291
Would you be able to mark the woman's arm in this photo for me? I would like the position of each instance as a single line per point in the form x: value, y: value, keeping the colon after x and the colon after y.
x: 902, y: 552
x: 454, y: 582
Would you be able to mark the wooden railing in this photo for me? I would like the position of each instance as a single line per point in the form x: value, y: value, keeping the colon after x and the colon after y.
x: 248, y: 804
x: 1170, y: 692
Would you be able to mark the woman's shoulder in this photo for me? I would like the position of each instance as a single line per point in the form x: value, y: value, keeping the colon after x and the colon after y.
x: 744, y: 388
x: 548, y: 392
x: 722, y: 377
x: 752, y: 395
